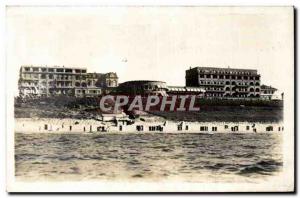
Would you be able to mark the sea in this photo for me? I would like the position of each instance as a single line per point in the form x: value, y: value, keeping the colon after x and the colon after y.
x: 148, y: 157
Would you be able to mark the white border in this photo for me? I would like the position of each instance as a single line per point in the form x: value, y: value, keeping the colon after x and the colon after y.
x: 88, y: 3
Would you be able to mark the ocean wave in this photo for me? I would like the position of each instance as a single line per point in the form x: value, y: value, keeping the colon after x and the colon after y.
x: 262, y: 167
x: 176, y: 154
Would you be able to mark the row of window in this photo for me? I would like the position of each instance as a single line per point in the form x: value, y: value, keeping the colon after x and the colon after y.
x: 228, y: 89
x: 202, y: 82
x: 239, y: 95
x: 53, y: 76
x: 88, y: 91
x: 149, y: 87
x: 228, y: 72
x: 229, y: 77
x: 58, y: 70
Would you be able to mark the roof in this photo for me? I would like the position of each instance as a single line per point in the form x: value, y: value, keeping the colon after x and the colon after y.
x: 143, y: 81
x: 112, y: 75
x: 223, y: 68
x: 53, y: 66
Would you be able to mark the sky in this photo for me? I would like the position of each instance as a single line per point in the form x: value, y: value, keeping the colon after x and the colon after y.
x: 152, y: 43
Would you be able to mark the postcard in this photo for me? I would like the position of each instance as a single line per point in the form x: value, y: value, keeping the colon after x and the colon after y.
x: 150, y: 99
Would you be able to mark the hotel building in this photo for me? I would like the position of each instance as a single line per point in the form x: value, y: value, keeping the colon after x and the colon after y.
x: 56, y: 80
x: 225, y: 82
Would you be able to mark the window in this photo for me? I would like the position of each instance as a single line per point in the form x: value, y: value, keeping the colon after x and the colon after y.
x: 60, y: 70
x: 179, y: 128
x: 186, y: 127
x: 203, y: 128
x: 35, y: 69
x: 51, y: 70
x: 247, y: 128
x: 269, y: 128
x: 68, y: 70
x: 27, y: 69
x: 44, y: 69
x: 214, y: 128
x: 43, y: 76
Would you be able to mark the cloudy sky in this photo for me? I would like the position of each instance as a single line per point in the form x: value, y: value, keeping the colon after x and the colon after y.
x: 155, y: 43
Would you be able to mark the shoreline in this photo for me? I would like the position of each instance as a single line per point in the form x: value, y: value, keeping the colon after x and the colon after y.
x: 125, y: 126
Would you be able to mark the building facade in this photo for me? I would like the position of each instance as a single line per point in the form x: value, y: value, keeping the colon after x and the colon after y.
x: 225, y: 82
x: 267, y: 92
x: 107, y: 80
x: 52, y: 81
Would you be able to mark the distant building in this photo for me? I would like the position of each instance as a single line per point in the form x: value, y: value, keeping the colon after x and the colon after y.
x: 225, y: 82
x: 143, y: 88
x: 267, y: 92
x: 160, y: 88
x: 51, y: 81
x: 108, y: 80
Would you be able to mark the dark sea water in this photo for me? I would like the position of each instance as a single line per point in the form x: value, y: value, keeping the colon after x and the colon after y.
x: 186, y: 157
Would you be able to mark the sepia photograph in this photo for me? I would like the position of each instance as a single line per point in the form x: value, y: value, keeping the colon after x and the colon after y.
x: 150, y: 98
